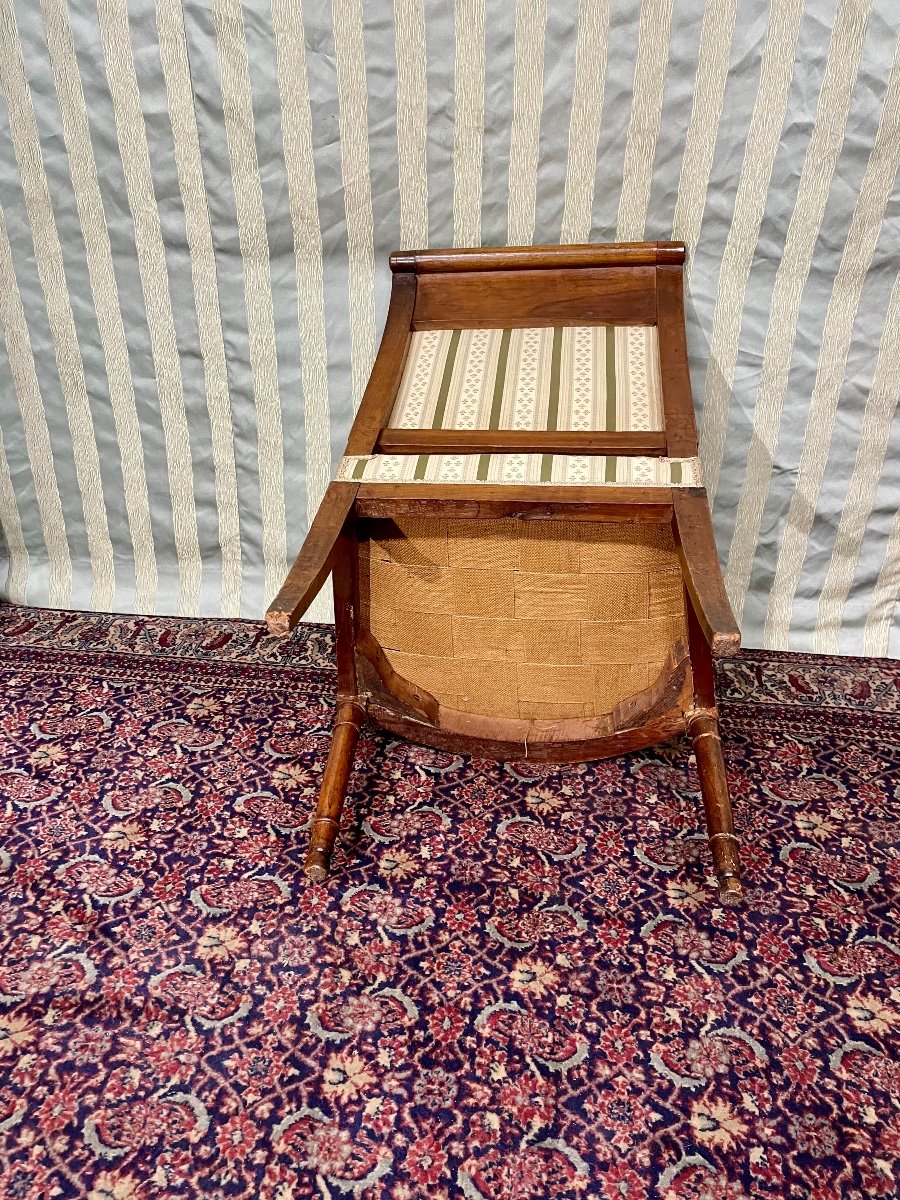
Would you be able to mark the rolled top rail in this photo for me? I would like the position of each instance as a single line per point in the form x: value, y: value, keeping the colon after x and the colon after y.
x: 538, y: 258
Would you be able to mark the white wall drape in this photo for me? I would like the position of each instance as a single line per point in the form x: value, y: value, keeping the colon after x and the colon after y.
x: 198, y: 200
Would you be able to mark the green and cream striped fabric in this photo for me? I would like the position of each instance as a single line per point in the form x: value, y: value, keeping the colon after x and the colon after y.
x: 566, y: 469
x: 601, y: 377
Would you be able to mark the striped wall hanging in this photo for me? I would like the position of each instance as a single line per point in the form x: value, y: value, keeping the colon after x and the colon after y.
x: 197, y: 201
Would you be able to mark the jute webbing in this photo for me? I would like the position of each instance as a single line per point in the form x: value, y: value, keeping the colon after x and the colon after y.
x: 537, y: 620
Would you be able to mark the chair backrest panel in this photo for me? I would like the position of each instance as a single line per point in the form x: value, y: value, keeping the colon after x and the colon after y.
x: 522, y: 299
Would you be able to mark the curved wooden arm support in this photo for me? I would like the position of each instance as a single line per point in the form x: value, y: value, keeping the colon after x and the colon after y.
x: 702, y: 573
x: 315, y: 561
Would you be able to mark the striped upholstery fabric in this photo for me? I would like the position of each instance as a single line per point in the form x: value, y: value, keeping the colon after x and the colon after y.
x: 580, y: 378
x: 567, y: 469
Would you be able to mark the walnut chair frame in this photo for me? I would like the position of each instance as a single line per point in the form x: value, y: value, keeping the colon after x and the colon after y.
x: 619, y: 284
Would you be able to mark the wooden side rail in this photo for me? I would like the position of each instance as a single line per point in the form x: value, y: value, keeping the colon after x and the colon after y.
x: 387, y: 371
x: 527, y: 441
x: 315, y: 561
x: 702, y: 573
x: 678, y: 401
x: 536, y: 502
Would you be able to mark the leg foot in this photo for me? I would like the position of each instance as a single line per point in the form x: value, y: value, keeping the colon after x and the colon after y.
x: 327, y: 820
x: 731, y: 891
x: 704, y: 731
x: 321, y: 844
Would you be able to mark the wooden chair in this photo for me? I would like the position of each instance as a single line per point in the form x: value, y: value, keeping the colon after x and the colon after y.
x: 522, y: 555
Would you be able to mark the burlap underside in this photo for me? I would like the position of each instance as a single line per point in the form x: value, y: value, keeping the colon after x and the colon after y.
x: 530, y: 619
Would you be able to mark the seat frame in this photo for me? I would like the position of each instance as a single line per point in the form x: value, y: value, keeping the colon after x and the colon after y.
x: 623, y: 284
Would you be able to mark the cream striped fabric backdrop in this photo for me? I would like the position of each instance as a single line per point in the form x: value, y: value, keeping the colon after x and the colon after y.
x: 197, y: 200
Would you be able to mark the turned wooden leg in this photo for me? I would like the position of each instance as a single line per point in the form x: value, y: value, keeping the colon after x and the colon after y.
x: 327, y: 820
x: 704, y: 730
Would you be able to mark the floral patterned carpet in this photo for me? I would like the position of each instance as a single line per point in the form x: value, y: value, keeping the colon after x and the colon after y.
x: 517, y: 983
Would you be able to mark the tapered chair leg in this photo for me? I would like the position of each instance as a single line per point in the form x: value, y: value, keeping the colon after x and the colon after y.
x: 327, y: 820
x: 704, y: 731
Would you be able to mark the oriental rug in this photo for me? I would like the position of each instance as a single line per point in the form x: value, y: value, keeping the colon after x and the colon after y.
x: 517, y: 983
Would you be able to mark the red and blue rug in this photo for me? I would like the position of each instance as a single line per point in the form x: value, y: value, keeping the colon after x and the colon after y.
x: 517, y: 984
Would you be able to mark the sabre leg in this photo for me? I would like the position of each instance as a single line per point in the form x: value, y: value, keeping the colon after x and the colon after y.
x: 704, y: 731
